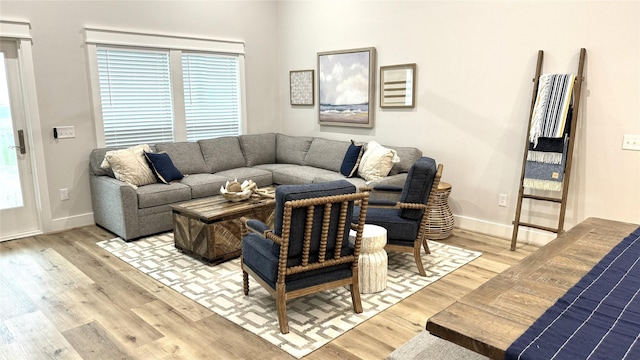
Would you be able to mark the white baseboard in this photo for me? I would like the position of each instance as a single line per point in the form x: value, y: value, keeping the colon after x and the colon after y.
x: 70, y: 222
x: 525, y: 235
x: 20, y: 235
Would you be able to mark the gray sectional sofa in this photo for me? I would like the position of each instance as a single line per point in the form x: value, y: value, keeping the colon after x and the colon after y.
x: 267, y: 159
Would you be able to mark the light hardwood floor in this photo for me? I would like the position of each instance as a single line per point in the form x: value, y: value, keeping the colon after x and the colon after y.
x: 63, y: 297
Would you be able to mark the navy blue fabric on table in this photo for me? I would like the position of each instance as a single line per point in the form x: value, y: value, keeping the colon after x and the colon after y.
x: 598, y: 318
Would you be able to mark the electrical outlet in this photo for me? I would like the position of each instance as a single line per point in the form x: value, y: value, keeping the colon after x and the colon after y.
x: 502, y: 200
x: 64, y: 132
x: 631, y: 142
x: 64, y: 194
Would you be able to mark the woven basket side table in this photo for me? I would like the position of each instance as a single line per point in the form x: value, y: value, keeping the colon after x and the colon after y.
x: 440, y: 218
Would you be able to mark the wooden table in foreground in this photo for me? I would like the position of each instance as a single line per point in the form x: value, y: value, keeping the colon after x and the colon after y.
x: 489, y: 319
x: 209, y: 229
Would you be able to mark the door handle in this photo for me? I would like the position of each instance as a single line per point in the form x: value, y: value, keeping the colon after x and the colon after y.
x: 23, y: 149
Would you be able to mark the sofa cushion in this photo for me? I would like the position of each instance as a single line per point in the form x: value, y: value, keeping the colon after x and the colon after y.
x: 222, y: 153
x: 129, y: 165
x: 274, y: 167
x: 204, y: 184
x: 326, y: 154
x: 161, y: 194
x: 377, y: 161
x: 96, y: 157
x: 407, y: 155
x: 260, y: 176
x: 292, y: 149
x: 351, y: 159
x: 302, y: 175
x: 396, y: 180
x: 162, y: 167
x: 186, y: 156
x: 325, y: 175
x: 258, y: 149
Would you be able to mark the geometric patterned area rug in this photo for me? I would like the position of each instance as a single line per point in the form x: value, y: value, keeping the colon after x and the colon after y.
x: 314, y: 320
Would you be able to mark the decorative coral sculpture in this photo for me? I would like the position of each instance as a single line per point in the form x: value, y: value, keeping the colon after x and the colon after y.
x: 234, y: 191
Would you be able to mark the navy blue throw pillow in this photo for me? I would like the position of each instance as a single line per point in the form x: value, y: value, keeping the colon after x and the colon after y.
x: 162, y: 167
x: 351, y: 160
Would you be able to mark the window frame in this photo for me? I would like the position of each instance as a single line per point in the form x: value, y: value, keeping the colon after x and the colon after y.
x: 176, y: 46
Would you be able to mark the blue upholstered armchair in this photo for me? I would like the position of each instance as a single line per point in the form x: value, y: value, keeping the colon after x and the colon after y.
x: 308, y: 248
x: 405, y: 218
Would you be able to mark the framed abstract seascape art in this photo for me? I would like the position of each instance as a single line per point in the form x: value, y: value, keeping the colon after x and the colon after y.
x: 301, y: 87
x: 346, y: 87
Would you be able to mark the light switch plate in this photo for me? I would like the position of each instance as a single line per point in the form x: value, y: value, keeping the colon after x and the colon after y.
x: 502, y: 199
x: 66, y: 132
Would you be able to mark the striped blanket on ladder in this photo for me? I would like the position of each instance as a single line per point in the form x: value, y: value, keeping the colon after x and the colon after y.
x: 550, y: 123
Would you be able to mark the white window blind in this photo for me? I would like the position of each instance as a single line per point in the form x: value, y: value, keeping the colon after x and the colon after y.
x: 150, y: 88
x: 211, y: 95
x: 136, y: 97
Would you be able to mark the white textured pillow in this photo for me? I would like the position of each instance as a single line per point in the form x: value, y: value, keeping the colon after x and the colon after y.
x: 129, y: 165
x: 376, y: 161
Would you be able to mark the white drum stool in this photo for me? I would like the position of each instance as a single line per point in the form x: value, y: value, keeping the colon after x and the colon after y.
x: 372, y: 262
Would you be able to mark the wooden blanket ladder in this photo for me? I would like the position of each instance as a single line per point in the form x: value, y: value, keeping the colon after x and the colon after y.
x: 567, y: 171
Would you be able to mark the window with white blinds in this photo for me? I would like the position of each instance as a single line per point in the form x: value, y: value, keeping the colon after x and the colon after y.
x: 149, y: 88
x: 136, y: 97
x: 211, y: 95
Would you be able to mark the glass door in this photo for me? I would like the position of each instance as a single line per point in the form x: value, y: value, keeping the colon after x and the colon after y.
x: 18, y: 211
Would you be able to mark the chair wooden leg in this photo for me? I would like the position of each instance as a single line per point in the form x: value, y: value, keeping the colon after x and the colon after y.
x: 245, y: 278
x: 355, y: 293
x: 425, y: 245
x: 245, y: 282
x: 416, y: 254
x: 281, y: 305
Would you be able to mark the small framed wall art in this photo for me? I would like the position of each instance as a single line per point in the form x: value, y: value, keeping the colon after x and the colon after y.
x: 301, y: 87
x: 346, y: 87
x: 398, y: 86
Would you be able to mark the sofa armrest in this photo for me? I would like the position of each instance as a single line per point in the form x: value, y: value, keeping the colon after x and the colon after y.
x: 115, y: 206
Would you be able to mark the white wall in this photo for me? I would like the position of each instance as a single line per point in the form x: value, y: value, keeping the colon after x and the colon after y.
x: 63, y: 86
x: 475, y: 63
x: 476, y: 60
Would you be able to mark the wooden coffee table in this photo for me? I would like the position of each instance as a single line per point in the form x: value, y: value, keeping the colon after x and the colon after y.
x: 209, y: 229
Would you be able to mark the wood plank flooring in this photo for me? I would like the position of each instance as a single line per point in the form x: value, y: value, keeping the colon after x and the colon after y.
x: 63, y: 297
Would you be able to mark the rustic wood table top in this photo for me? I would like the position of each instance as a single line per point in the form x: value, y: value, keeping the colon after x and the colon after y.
x: 489, y: 319
x: 216, y: 208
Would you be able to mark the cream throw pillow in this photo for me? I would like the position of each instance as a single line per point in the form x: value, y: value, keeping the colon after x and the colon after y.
x: 376, y: 161
x: 129, y: 165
